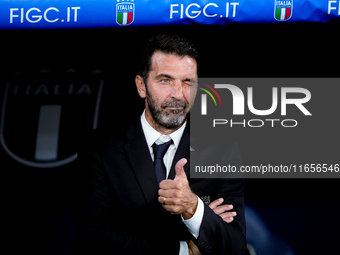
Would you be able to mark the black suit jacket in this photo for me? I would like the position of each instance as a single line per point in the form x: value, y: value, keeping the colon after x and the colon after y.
x: 117, y: 211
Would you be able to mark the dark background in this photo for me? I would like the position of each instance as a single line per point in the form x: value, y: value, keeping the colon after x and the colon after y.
x: 37, y: 202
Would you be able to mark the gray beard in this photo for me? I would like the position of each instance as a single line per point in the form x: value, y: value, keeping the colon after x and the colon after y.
x: 168, y: 120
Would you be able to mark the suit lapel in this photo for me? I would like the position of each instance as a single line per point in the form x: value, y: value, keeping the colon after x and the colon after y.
x: 183, y: 151
x: 188, y: 148
x: 142, y: 164
x: 140, y: 159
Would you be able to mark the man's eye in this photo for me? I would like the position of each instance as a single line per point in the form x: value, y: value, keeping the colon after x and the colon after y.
x: 165, y: 80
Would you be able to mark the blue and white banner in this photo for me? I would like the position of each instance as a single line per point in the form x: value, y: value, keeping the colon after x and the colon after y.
x: 34, y: 14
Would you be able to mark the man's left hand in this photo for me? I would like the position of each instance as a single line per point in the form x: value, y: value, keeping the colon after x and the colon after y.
x: 176, y: 196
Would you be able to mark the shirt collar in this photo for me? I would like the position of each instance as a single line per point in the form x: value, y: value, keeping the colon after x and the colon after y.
x: 151, y: 135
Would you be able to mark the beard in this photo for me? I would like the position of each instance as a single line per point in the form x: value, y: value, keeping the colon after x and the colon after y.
x: 168, y: 118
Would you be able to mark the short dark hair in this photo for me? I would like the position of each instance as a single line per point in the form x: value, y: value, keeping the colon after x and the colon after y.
x: 168, y: 44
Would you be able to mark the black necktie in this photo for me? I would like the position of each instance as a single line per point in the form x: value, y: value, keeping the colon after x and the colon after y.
x: 159, y: 152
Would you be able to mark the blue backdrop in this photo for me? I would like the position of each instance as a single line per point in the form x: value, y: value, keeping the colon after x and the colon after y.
x: 23, y: 14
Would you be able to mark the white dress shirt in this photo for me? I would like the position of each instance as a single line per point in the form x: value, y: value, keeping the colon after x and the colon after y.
x: 151, y: 135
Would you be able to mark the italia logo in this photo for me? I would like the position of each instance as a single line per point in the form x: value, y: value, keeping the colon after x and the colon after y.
x: 204, y: 98
x: 283, y: 10
x: 42, y: 115
x: 125, y: 12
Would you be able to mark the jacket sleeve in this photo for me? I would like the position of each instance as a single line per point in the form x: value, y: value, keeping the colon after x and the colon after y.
x: 94, y: 233
x: 219, y: 237
x: 216, y: 236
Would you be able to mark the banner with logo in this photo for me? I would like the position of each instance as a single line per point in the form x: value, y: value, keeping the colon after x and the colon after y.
x: 47, y: 14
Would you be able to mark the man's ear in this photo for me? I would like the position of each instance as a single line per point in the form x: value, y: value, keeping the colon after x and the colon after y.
x: 140, y: 86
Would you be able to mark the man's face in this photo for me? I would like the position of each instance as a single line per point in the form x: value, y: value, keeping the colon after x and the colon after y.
x: 167, y: 91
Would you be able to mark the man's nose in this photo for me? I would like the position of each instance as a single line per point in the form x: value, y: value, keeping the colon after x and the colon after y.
x: 177, y: 90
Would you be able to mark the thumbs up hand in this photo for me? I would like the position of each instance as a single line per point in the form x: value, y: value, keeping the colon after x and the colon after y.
x: 179, y: 167
x: 176, y: 196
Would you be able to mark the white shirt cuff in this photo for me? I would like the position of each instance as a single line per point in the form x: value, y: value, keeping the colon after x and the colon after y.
x: 183, y: 248
x: 194, y: 223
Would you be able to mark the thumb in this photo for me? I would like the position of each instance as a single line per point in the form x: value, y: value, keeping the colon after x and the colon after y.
x: 180, y: 173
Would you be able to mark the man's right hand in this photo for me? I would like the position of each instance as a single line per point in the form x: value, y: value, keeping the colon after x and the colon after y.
x: 223, y: 210
x: 193, y: 250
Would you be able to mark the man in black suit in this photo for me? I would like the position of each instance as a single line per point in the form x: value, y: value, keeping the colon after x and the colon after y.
x: 131, y: 198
